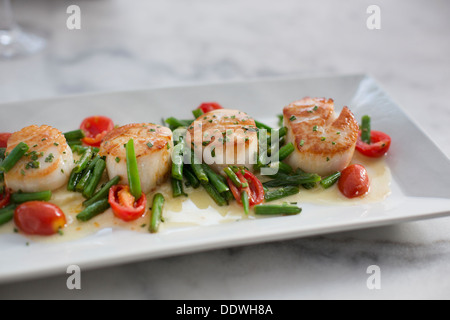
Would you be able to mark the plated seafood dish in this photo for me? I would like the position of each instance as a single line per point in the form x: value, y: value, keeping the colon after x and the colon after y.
x: 221, y: 165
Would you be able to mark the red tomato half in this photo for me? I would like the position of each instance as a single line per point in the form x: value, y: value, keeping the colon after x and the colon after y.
x: 123, y: 204
x: 378, y: 147
x: 209, y: 106
x: 95, y: 128
x: 254, y: 190
x: 4, y: 136
x: 39, y: 218
x: 4, y: 198
x: 354, y: 181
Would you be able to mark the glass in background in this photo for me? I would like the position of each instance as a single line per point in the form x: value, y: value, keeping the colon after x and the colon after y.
x: 14, y: 41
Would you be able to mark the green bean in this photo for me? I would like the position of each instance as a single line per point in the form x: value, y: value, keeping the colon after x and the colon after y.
x: 309, y: 186
x: 261, y: 125
x: 73, y: 180
x: 281, y: 133
x: 175, y: 123
x: 177, y: 160
x: 13, y: 157
x: 273, y: 209
x: 365, y: 129
x: 7, y: 214
x: 280, y: 193
x: 93, y: 210
x: 82, y: 182
x: 73, y: 143
x: 95, y: 178
x: 262, y: 158
x: 190, y: 177
x: 74, y: 135
x: 198, y: 170
x: 245, y: 201
x: 157, y: 212
x: 234, y: 178
x: 228, y: 196
x: 197, y: 113
x: 330, y: 180
x: 294, y: 180
x: 215, y: 195
x: 285, y: 151
x: 86, y: 175
x: 132, y: 171
x: 103, y: 192
x: 281, y: 167
x: 280, y: 120
x: 219, y: 182
x: 84, y: 160
x: 31, y: 196
x: 79, y: 149
x: 177, y: 188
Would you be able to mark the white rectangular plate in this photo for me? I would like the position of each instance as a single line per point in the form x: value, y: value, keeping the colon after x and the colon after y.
x: 418, y: 168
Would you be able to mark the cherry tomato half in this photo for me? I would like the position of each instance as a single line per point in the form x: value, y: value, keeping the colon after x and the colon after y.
x: 5, y: 197
x: 4, y: 136
x: 39, y: 218
x: 254, y: 190
x: 123, y: 204
x: 209, y: 106
x: 378, y: 147
x: 95, y: 128
x: 354, y: 181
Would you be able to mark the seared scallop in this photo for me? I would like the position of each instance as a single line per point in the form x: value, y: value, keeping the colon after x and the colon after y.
x: 324, y: 141
x: 224, y: 137
x: 47, y: 164
x: 153, y: 147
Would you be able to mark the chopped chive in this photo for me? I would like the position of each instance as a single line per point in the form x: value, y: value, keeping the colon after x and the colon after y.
x: 292, y: 118
x: 49, y: 158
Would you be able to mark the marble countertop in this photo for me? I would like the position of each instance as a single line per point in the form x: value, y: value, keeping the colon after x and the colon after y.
x: 139, y: 44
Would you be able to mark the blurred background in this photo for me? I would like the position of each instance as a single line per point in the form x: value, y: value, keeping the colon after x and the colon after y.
x: 137, y: 44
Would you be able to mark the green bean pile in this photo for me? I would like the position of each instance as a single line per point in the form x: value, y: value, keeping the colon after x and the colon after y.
x: 85, y: 179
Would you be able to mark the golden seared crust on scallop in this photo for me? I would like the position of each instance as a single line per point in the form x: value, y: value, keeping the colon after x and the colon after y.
x: 153, y: 148
x: 47, y: 164
x: 224, y: 137
x: 324, y: 141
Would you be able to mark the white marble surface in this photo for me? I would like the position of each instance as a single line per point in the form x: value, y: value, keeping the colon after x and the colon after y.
x: 142, y: 44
